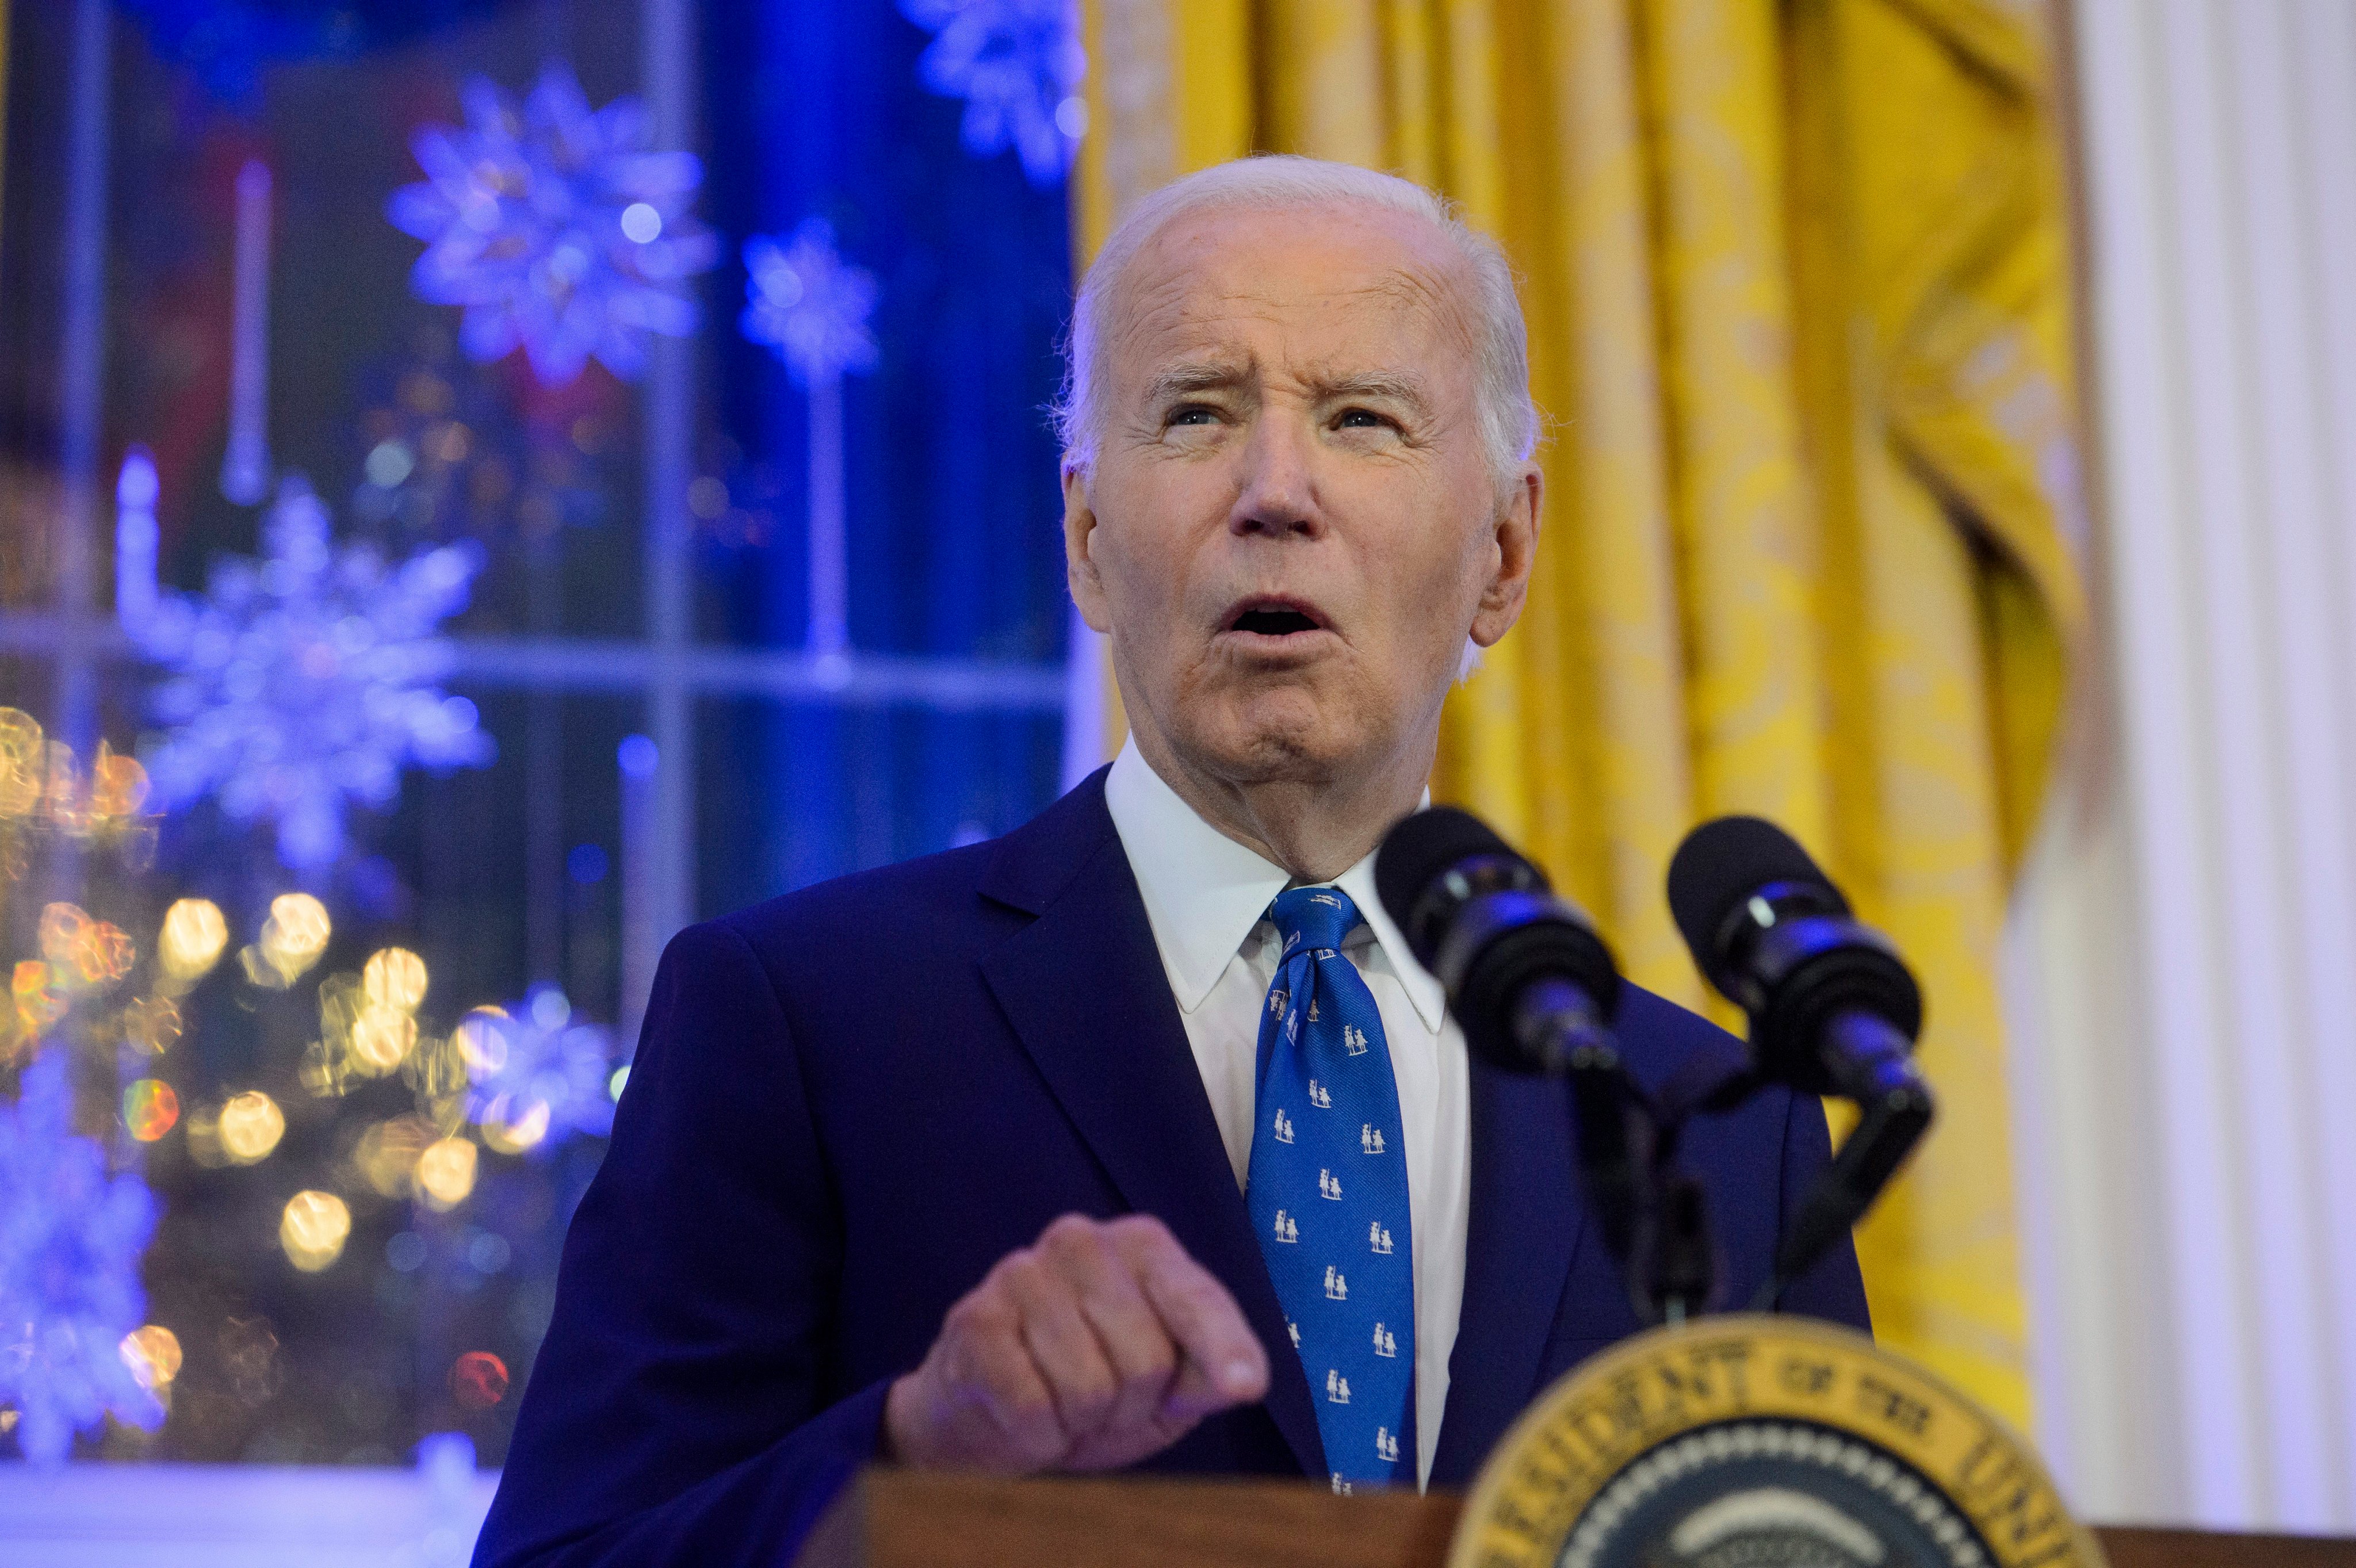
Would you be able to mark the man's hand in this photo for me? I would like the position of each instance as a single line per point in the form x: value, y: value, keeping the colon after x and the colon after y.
x: 1101, y: 1344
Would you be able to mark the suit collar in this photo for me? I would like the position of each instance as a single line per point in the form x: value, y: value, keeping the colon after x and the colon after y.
x: 1083, y: 986
x: 1032, y: 865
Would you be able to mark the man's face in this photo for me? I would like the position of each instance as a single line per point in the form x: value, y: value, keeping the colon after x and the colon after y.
x: 1291, y: 529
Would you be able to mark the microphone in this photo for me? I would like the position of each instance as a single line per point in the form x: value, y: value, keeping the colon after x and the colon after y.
x: 1530, y: 981
x: 1534, y: 989
x: 1833, y: 1008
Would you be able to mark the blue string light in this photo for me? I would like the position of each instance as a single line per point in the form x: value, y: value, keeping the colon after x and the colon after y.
x: 71, y: 1240
x: 555, y: 228
x: 1018, y: 65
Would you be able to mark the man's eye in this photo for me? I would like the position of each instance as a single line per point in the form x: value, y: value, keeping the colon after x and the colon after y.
x: 1361, y: 419
x: 1194, y: 414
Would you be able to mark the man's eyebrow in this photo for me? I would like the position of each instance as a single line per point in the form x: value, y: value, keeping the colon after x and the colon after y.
x: 1197, y: 376
x: 1399, y: 388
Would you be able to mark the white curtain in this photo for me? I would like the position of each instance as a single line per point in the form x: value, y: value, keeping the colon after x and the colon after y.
x: 2182, y: 969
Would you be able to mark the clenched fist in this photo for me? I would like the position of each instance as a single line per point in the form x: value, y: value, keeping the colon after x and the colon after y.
x: 1102, y: 1343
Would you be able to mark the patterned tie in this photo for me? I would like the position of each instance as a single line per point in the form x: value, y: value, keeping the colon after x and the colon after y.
x: 1328, y: 1193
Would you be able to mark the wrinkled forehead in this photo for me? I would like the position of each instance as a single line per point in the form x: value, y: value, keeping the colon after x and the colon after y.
x: 1325, y: 289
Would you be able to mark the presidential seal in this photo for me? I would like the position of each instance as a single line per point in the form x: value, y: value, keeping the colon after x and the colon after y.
x: 1750, y: 1441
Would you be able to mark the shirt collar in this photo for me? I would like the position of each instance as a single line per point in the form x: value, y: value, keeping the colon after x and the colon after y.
x: 1203, y: 892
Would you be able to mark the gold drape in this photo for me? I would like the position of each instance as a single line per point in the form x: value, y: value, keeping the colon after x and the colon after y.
x: 1798, y: 289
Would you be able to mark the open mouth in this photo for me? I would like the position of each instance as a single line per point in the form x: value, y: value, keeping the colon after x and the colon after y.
x: 1273, y: 618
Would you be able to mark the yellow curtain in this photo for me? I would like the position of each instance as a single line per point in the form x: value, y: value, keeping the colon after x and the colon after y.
x: 1797, y: 286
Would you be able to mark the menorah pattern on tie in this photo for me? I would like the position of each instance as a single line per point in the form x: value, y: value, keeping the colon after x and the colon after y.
x: 1328, y: 1193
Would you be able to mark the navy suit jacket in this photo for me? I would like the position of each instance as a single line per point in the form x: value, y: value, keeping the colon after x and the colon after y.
x: 850, y: 1102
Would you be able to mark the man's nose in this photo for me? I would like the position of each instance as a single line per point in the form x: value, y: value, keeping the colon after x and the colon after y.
x: 1279, y: 490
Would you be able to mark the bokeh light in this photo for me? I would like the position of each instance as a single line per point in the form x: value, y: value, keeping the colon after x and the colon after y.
x: 394, y: 978
x: 37, y: 1001
x: 446, y: 1173
x: 358, y: 1035
x: 249, y: 1127
x: 480, y: 1379
x: 514, y: 1122
x: 290, y: 942
x: 81, y: 950
x: 150, y: 1024
x: 482, y: 1042
x: 314, y: 1228
x: 150, y: 1108
x: 190, y: 943
x: 118, y: 785
x: 22, y: 762
x: 153, y: 1353
x: 381, y: 1038
x: 386, y: 1155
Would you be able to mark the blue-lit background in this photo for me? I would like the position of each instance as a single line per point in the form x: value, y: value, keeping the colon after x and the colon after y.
x: 955, y: 537
x: 340, y: 1016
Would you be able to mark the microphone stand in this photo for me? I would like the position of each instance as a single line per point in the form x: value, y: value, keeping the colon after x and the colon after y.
x: 1655, y: 1214
x: 1873, y: 1068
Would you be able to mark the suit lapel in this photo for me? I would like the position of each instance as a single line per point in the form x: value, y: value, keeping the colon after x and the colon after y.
x: 1083, y: 986
x: 1527, y: 1214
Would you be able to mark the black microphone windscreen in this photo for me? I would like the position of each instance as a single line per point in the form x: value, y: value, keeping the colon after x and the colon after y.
x: 1421, y: 847
x: 1722, y: 863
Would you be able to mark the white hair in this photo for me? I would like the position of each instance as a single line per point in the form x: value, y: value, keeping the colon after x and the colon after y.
x: 1508, y: 418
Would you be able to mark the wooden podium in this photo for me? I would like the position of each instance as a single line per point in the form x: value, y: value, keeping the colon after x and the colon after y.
x: 894, y: 1518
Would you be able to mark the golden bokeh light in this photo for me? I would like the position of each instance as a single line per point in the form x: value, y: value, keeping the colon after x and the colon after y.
x: 481, y: 1038
x: 436, y: 1069
x: 290, y: 942
x: 380, y: 1037
x: 150, y: 1107
x: 249, y: 1127
x: 386, y: 1154
x: 446, y: 1173
x: 357, y: 1035
x: 191, y: 940
x: 37, y: 1000
x: 514, y: 1122
x: 153, y: 1353
x: 22, y: 762
x: 118, y: 785
x: 395, y: 978
x: 150, y: 1024
x: 314, y: 1228
x: 62, y: 931
x: 83, y: 951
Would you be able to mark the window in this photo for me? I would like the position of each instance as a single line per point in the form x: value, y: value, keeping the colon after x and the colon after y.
x: 735, y: 619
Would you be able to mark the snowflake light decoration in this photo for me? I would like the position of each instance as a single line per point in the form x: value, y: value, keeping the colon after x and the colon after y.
x: 536, y: 1077
x: 71, y: 1240
x: 805, y: 302
x: 555, y: 228
x: 1018, y: 66
x: 306, y: 681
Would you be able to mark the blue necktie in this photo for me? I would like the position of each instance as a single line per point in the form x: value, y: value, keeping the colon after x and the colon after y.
x: 1328, y: 1193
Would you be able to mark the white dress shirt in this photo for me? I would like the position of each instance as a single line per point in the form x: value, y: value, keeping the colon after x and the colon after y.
x: 1207, y: 897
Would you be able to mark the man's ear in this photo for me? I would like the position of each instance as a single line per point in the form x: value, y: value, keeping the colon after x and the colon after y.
x: 1079, y: 538
x: 1514, y: 535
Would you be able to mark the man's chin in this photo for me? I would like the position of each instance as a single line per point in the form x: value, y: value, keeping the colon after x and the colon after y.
x: 1271, y: 740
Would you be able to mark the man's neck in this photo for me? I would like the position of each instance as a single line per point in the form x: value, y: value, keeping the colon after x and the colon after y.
x: 1316, y: 829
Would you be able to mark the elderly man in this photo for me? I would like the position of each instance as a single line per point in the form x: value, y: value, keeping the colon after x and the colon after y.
x: 1002, y: 1158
